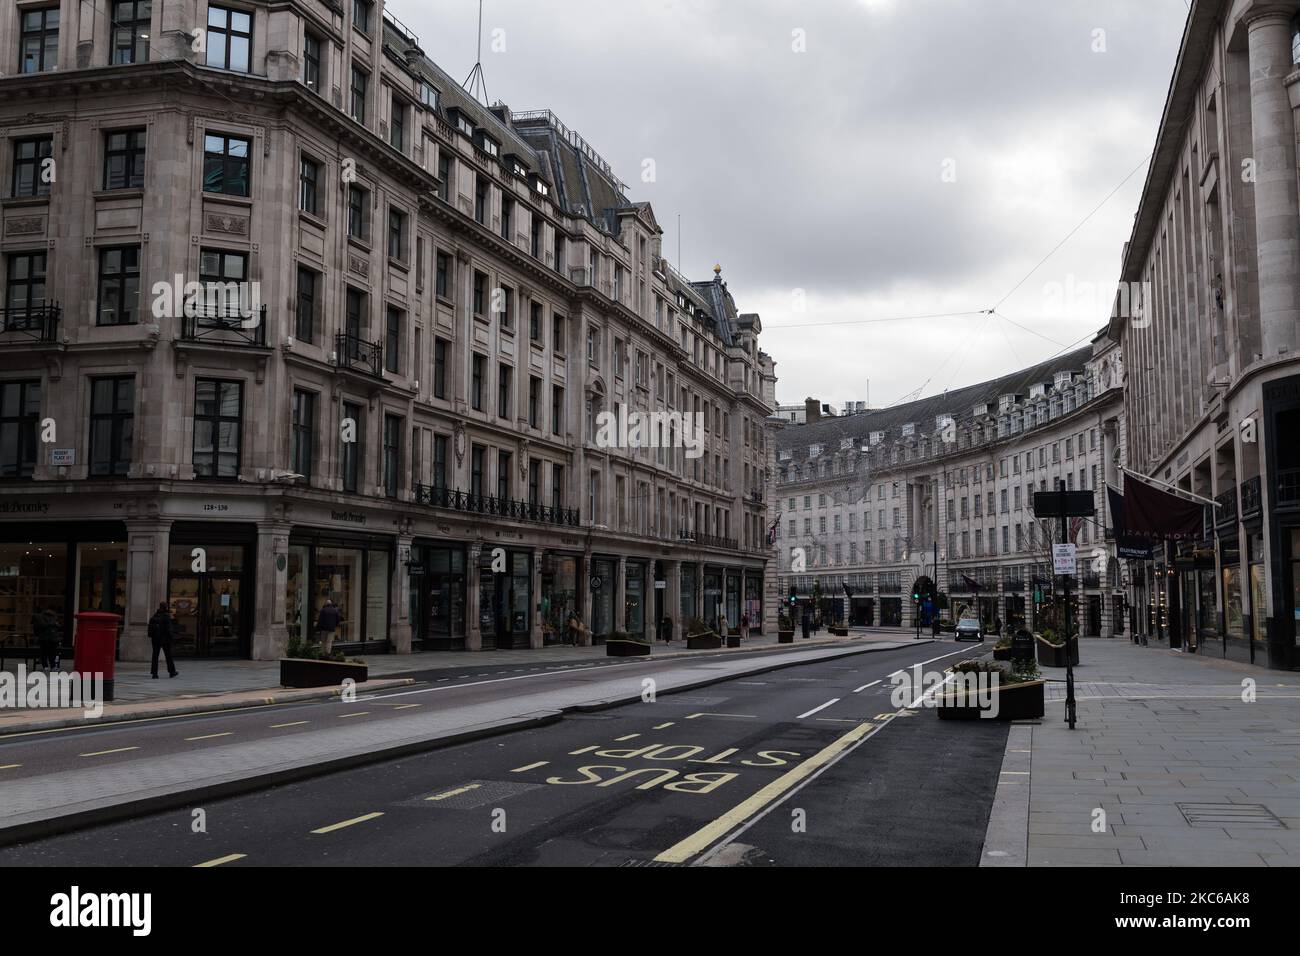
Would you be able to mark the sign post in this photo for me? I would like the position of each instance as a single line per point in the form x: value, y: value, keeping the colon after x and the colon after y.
x: 1063, y: 505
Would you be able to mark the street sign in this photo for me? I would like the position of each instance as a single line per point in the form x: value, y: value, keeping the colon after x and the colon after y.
x: 63, y: 456
x: 1063, y: 559
x: 1064, y: 504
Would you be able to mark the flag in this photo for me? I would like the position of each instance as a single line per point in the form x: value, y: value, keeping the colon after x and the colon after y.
x: 972, y: 584
x: 847, y: 592
x: 771, y: 532
x: 1127, y: 544
x: 1158, y: 515
x: 1075, y: 525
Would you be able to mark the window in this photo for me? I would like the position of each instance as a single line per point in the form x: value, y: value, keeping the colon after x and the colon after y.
x: 396, y: 234
x: 503, y: 391
x: 557, y: 410
x: 311, y: 62
x: 535, y: 322
x: 230, y: 39
x: 112, y: 425
x: 444, y: 176
x: 503, y: 475
x: 480, y: 292
x: 507, y: 303
x: 354, y: 311
x: 24, y: 287
x: 442, y: 277
x: 536, y: 237
x: 439, y: 368
x: 218, y: 414
x: 308, y: 182
x: 358, y: 208
x: 226, y: 164
x: 476, y: 470
x: 303, y: 431
x: 428, y: 95
x: 557, y: 486
x: 507, y: 217
x: 124, y: 159
x: 362, y: 12
x: 351, y: 457
x: 119, y: 286
x: 393, y: 430
x: 481, y: 195
x: 534, y: 401
x: 129, y: 41
x: 33, y: 166
x: 393, y: 339
x: 440, y: 461
x: 534, y: 482
x: 360, y: 83
x: 397, y: 125
x: 305, y: 310
x: 476, y: 383
x: 557, y: 333
x: 228, y: 273
x: 38, y: 44
x: 20, y: 407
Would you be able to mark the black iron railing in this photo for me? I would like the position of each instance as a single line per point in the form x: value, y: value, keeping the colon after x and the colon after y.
x: 1252, y: 496
x: 218, y: 325
x: 709, y: 540
x: 1288, y: 489
x: 358, y: 355
x: 40, y: 323
x: 463, y: 501
x: 1226, y: 513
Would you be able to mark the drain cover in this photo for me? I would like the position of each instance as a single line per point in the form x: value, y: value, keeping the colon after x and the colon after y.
x: 1247, y: 815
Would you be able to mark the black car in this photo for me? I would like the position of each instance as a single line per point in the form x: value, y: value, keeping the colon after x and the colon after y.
x: 969, y: 629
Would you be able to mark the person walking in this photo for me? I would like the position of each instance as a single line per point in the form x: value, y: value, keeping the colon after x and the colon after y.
x: 806, y: 623
x: 327, y: 622
x: 45, y: 628
x: 744, y: 627
x: 162, y: 629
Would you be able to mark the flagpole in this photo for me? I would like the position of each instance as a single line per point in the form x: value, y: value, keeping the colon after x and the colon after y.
x: 1173, y: 488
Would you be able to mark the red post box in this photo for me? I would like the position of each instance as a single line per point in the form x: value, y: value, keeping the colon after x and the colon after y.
x: 95, y: 646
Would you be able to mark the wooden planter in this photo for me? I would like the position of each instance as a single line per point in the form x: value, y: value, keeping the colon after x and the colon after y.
x: 733, y: 640
x: 838, y: 631
x: 621, y: 648
x: 1002, y: 653
x: 785, y: 637
x: 703, y: 642
x: 1014, y: 702
x: 297, y: 672
x: 1053, y: 655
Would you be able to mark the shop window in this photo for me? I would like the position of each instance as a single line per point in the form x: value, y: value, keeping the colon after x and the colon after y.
x: 33, y: 578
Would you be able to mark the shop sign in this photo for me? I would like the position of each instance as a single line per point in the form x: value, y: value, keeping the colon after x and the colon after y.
x: 596, y: 583
x: 415, y: 569
x: 660, y: 585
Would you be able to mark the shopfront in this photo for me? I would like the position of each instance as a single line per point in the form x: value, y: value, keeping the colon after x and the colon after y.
x: 561, y: 599
x: 712, y: 596
x: 733, y: 599
x: 754, y: 602
x: 603, y: 583
x: 505, y: 599
x: 634, y: 599
x: 355, y: 572
x: 688, y: 593
x: 439, y: 594
x: 210, y: 588
x: 862, y: 612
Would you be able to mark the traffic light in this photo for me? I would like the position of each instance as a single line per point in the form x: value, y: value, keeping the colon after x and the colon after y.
x: 916, y: 596
x: 793, y: 599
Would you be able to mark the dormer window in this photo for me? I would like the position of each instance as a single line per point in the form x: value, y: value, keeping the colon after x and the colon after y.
x: 540, y: 186
x: 517, y: 168
x: 462, y: 122
x: 428, y: 95
x: 487, y: 144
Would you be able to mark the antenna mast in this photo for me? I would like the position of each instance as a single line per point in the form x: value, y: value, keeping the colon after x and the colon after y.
x: 475, y: 84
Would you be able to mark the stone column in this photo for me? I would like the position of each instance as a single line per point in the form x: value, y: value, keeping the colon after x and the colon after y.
x: 535, y: 613
x: 473, y: 636
x: 699, y: 590
x: 584, y: 639
x: 400, y: 630
x: 1277, y: 228
x: 673, y: 597
x: 620, y: 596
x: 270, y: 638
x: 146, y: 561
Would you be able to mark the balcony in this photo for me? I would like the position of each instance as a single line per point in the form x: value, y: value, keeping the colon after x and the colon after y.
x: 756, y: 496
x: 355, y: 354
x: 466, y: 503
x: 37, y: 323
x: 1226, y: 514
x: 1251, y: 496
x: 708, y: 541
x: 217, y: 325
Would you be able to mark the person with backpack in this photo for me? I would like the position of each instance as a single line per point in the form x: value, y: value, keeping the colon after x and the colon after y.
x: 327, y: 622
x: 162, y: 630
x: 45, y: 628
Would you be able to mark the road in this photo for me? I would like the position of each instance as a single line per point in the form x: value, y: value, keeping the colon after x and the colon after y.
x: 809, y: 765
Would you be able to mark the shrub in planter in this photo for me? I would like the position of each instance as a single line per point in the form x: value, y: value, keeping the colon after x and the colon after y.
x: 1018, y: 694
x: 700, y: 637
x: 1002, y: 650
x: 1051, y: 649
x: 620, y: 644
x: 784, y: 629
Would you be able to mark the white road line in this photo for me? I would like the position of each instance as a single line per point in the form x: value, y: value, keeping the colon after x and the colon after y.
x: 865, y: 686
x: 833, y: 700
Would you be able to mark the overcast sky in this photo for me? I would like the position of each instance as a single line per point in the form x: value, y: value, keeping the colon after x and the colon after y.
x: 916, y: 157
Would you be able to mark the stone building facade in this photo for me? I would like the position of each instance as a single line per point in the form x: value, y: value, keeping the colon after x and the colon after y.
x: 1209, y: 320
x: 940, y: 492
x: 289, y: 317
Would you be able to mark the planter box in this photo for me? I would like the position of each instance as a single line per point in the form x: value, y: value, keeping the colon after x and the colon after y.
x: 1053, y: 655
x: 785, y: 637
x: 1014, y: 702
x: 733, y: 640
x: 618, y: 648
x: 703, y: 642
x: 296, y: 672
x: 1002, y: 653
x: 838, y: 631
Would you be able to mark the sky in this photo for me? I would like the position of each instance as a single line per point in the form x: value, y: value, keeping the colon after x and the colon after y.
x: 872, y: 175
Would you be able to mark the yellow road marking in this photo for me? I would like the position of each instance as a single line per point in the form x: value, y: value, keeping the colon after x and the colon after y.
x: 118, y: 750
x: 626, y: 737
x: 883, y: 716
x: 693, y: 716
x: 574, y: 753
x: 662, y: 726
x: 701, y: 839
x: 838, y: 720
x: 452, y: 793
x: 404, y: 706
x: 347, y: 823
x: 227, y: 733
x: 359, y: 713
x: 10, y: 766
x: 296, y: 723
x: 531, y: 766
x: 222, y: 859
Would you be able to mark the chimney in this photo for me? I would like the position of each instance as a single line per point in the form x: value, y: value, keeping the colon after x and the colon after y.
x: 812, y: 410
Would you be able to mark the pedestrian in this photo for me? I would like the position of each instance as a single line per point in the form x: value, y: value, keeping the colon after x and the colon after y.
x: 806, y: 623
x: 327, y: 622
x: 744, y: 627
x: 162, y: 629
x: 45, y: 628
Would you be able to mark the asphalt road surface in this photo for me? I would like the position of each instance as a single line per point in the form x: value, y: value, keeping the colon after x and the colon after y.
x: 809, y: 765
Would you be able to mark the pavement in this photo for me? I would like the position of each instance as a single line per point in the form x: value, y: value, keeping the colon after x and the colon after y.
x: 817, y: 761
x: 1176, y: 760
x: 58, y: 779
x: 204, y: 685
